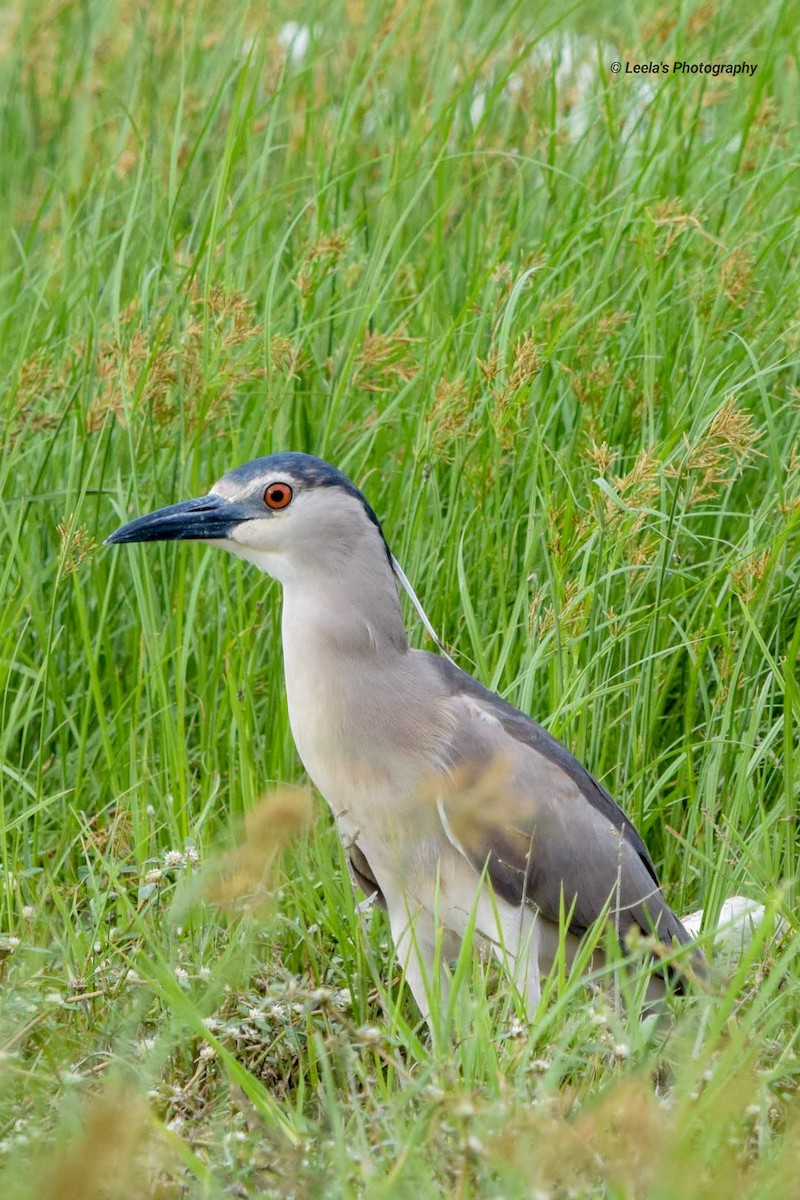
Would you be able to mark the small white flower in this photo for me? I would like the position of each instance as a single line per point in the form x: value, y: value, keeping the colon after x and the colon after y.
x: 246, y: 48
x: 182, y: 977
x: 192, y: 855
x: 150, y: 810
x: 463, y: 1107
x: 204, y: 973
x: 513, y: 86
x: 621, y: 1050
x: 9, y: 944
x: 156, y: 876
x: 295, y: 38
x: 173, y: 858
x: 207, y: 1052
x: 477, y: 108
x: 211, y: 1023
x: 28, y: 911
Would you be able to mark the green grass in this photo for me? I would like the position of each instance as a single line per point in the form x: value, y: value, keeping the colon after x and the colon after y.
x: 548, y: 321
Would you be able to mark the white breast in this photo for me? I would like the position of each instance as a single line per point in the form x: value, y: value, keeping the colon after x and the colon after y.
x: 365, y: 735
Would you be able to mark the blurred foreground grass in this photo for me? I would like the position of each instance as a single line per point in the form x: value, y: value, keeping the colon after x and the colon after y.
x: 547, y: 317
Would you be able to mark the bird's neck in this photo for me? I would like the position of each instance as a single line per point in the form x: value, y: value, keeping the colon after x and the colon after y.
x: 344, y: 650
x: 340, y: 615
x: 348, y: 612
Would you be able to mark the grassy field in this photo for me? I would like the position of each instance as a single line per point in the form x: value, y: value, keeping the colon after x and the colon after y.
x: 546, y: 316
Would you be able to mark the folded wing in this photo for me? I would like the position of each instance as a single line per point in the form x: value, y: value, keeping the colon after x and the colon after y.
x: 522, y: 807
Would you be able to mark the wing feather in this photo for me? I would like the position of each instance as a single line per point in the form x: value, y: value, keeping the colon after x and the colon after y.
x: 523, y: 807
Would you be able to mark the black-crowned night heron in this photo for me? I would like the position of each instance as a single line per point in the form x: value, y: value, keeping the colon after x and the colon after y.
x: 453, y: 806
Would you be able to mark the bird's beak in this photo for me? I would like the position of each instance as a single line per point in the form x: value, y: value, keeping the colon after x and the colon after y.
x: 206, y: 519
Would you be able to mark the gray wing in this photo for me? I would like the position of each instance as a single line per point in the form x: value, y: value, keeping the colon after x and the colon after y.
x: 547, y: 833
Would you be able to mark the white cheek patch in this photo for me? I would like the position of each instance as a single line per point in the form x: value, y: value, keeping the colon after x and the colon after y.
x: 256, y: 534
x: 255, y: 542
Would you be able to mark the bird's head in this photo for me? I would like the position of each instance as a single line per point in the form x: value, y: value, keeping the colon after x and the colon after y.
x: 292, y: 515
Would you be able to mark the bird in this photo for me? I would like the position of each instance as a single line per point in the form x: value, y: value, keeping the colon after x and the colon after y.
x: 458, y: 813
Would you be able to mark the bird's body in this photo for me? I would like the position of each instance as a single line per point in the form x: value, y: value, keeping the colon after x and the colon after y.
x: 451, y: 804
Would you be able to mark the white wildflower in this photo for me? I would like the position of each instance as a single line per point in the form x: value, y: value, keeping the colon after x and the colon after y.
x: 513, y: 86
x: 295, y: 38
x: 477, y: 108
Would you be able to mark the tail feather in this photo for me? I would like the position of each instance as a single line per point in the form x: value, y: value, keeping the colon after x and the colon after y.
x: 739, y: 919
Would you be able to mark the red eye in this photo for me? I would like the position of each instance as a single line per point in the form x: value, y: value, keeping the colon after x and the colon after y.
x: 277, y: 495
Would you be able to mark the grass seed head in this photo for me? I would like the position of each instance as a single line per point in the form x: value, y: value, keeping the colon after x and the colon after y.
x: 240, y: 878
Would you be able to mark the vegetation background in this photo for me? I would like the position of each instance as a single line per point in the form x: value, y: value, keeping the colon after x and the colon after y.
x: 547, y: 317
